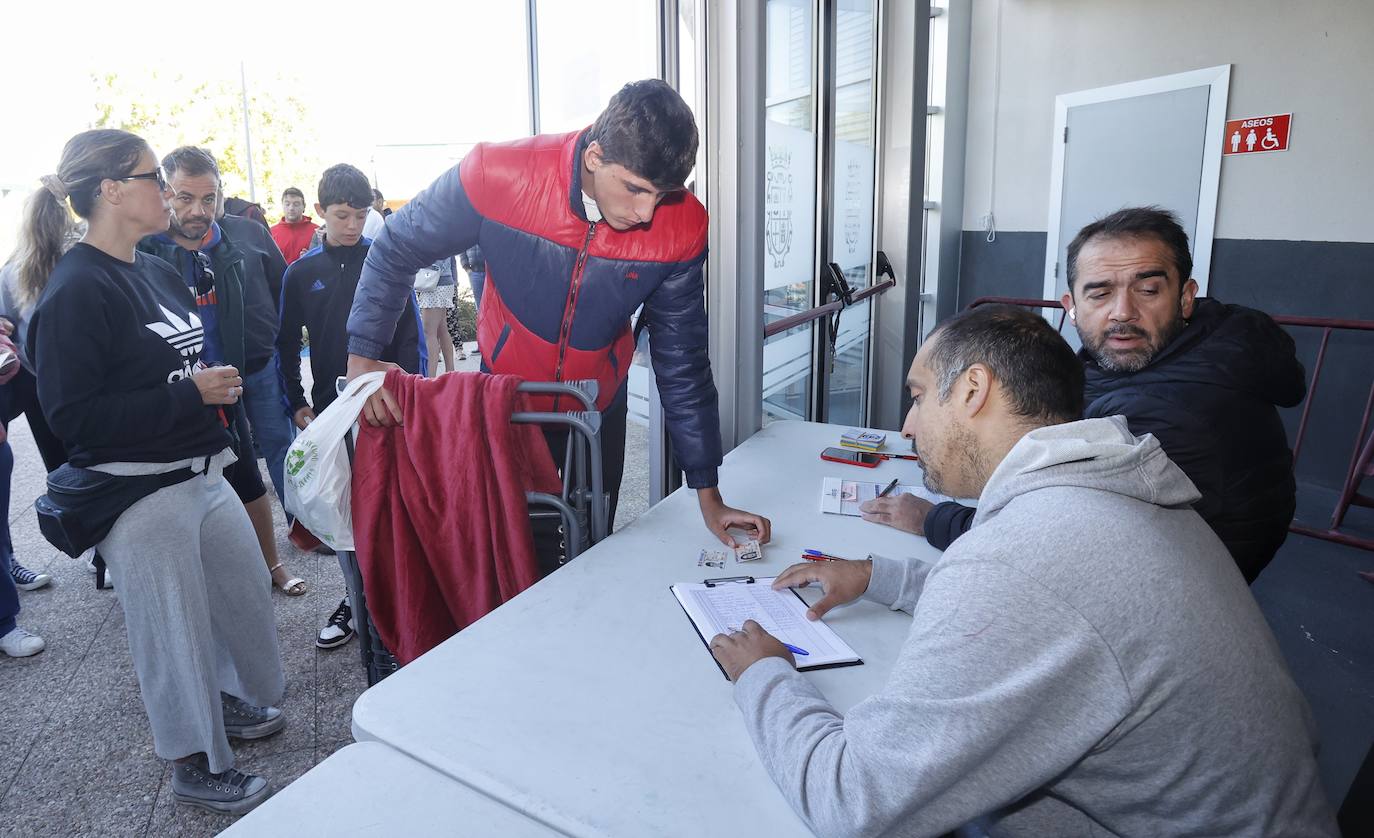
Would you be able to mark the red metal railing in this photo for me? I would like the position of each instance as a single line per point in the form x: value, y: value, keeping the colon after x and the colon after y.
x: 1361, y: 458
x: 791, y: 321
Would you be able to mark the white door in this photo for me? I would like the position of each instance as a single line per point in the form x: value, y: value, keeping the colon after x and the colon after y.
x: 1154, y: 142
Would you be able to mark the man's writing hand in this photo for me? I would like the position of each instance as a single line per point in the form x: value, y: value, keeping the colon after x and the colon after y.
x: 903, y: 512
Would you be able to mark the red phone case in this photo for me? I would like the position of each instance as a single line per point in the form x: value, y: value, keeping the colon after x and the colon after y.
x: 860, y: 463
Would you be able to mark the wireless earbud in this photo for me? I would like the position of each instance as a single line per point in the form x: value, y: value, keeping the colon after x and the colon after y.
x: 1073, y: 314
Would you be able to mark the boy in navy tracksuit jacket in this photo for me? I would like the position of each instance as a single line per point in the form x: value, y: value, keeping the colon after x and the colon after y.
x: 317, y: 293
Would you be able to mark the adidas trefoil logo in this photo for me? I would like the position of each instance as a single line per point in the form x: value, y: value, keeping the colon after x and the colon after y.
x: 184, y: 337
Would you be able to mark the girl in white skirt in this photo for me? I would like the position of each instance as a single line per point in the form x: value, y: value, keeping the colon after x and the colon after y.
x: 434, y: 307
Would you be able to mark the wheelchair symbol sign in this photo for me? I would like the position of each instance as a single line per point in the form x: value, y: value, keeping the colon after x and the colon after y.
x: 1257, y: 134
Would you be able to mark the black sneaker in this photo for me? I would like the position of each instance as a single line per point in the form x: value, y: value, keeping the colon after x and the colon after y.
x: 339, y: 630
x: 231, y: 792
x: 247, y: 721
x: 25, y: 579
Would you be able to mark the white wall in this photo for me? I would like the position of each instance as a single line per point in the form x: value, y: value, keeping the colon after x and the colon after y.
x: 1315, y: 59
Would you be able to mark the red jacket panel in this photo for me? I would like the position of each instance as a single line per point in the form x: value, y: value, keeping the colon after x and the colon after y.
x: 439, y: 514
x: 293, y: 239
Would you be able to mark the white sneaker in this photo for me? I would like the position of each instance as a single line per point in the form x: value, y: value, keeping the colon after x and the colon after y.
x: 25, y: 579
x: 21, y: 644
x: 340, y: 628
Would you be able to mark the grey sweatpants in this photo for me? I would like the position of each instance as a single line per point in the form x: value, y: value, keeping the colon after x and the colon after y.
x: 197, y: 602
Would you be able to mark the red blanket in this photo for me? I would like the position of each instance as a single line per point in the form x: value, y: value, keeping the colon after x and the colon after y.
x: 439, y: 515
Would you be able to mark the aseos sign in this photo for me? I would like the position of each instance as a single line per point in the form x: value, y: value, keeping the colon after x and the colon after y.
x: 1257, y: 134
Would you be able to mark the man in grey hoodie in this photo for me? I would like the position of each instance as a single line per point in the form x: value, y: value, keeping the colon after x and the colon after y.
x: 1085, y: 661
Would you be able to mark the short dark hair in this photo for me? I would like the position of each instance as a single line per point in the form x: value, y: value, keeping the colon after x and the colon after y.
x: 292, y: 192
x: 191, y: 161
x: 1041, y: 375
x: 648, y: 129
x: 377, y: 194
x: 344, y: 184
x: 1137, y: 222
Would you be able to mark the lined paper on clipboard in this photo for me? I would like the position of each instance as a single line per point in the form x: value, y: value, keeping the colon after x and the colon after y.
x: 723, y: 608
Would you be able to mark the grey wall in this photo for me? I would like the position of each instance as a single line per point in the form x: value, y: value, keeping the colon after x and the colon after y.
x: 1011, y: 266
x: 1309, y: 278
x: 1311, y: 58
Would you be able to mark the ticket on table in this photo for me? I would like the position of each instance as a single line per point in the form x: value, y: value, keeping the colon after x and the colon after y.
x: 711, y: 558
x: 749, y: 551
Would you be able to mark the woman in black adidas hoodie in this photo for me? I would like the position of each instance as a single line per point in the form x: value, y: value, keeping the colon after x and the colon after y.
x: 116, y: 343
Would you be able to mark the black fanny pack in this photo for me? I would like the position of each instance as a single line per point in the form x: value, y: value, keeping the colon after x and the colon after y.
x: 82, y: 504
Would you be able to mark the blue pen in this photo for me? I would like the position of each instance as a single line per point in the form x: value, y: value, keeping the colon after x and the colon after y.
x: 818, y: 556
x: 796, y: 650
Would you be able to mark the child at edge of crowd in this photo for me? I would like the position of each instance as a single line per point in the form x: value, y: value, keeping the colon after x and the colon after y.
x: 317, y: 294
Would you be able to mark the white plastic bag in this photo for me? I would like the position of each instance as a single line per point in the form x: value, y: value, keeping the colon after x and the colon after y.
x: 318, y: 474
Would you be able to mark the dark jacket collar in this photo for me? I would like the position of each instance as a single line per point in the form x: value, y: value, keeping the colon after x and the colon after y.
x: 214, y: 236
x: 349, y: 252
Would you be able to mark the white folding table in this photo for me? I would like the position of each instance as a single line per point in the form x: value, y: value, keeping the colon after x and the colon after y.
x: 370, y: 789
x: 589, y: 703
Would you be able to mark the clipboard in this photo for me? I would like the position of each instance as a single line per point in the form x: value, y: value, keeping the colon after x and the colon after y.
x: 714, y: 606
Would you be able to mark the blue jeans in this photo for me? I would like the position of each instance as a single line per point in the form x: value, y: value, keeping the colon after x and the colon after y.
x: 9, y: 595
x: 272, y: 428
x: 478, y: 279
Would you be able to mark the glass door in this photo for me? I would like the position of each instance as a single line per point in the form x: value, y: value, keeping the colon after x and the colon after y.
x: 849, y: 208
x: 789, y: 226
x: 819, y: 186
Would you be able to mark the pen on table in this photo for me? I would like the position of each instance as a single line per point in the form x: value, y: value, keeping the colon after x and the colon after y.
x: 817, y: 556
x: 890, y: 487
x: 887, y: 456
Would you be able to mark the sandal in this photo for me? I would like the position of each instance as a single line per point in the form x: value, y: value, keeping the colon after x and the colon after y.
x: 293, y: 587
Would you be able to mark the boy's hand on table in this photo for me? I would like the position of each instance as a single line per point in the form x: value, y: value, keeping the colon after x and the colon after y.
x: 742, y: 649
x: 382, y: 410
x: 719, y: 518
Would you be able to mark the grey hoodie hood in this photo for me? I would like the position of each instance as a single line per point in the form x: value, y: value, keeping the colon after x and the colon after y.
x: 1092, y: 454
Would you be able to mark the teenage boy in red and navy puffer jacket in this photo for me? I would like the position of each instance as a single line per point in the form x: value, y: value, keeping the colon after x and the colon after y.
x: 578, y: 231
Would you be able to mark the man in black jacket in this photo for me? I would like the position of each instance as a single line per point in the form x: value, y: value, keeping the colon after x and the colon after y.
x: 238, y: 305
x: 1203, y: 377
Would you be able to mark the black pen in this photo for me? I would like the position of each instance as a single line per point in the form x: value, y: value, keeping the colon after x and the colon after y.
x: 889, y: 488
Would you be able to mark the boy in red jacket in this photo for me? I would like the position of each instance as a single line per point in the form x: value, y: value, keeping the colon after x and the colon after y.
x: 293, y: 233
x: 579, y: 231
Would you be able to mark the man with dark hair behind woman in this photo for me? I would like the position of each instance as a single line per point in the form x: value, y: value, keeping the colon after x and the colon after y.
x: 116, y: 341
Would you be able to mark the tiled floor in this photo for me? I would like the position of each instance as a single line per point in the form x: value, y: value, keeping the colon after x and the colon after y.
x: 76, y: 754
